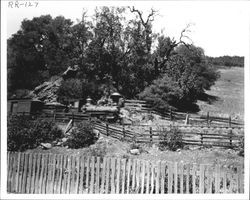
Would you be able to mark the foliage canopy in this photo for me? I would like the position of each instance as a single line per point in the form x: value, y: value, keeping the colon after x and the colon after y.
x: 112, y: 52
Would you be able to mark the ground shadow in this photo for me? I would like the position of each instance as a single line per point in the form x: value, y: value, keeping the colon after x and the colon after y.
x: 187, y: 107
x: 208, y: 98
x: 192, y: 107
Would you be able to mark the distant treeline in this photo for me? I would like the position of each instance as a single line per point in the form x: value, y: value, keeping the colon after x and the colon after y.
x: 228, y: 61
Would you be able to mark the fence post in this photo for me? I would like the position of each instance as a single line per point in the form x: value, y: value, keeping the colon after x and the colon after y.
x: 202, y: 138
x: 150, y: 132
x: 107, y: 129
x: 54, y: 116
x: 230, y: 138
x: 73, y: 119
x: 187, y: 119
x: 208, y: 118
x: 229, y: 121
x: 171, y: 114
x: 123, y: 131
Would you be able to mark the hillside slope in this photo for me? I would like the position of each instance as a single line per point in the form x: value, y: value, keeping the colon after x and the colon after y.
x: 227, y: 95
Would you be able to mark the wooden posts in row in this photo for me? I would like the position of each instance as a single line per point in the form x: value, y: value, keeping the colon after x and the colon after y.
x: 35, y: 173
x: 208, y: 120
x: 123, y: 131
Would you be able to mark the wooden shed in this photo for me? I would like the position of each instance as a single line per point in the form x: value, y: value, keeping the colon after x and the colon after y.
x: 24, y: 105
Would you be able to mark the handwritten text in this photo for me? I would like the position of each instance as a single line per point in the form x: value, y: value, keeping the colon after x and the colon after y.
x: 23, y: 4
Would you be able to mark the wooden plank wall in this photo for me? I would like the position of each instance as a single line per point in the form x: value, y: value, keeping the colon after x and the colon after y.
x: 35, y: 173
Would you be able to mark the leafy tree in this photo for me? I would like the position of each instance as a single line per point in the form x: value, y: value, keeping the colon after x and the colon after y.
x: 112, y: 53
x: 70, y: 89
x: 40, y: 49
x: 185, y: 78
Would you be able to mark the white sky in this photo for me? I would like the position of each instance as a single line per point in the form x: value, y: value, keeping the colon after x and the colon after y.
x: 220, y: 28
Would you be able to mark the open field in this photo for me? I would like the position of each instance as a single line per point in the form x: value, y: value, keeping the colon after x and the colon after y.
x: 227, y: 95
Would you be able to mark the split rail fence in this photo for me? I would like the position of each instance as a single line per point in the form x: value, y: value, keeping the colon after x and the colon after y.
x: 34, y: 173
x: 228, y: 139
x: 194, y: 119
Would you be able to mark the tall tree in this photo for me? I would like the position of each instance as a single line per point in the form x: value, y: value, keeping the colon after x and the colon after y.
x: 41, y: 48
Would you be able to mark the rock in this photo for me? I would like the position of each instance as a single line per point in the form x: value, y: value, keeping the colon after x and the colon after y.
x: 47, y: 91
x: 46, y: 145
x: 54, y: 142
x: 135, y: 151
x: 178, y: 150
x: 154, y: 146
x: 59, y: 144
x: 64, y: 139
x: 193, y: 148
x: 96, y: 132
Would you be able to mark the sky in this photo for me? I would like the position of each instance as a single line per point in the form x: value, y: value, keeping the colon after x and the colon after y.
x: 220, y: 28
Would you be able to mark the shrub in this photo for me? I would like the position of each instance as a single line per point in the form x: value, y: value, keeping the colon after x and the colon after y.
x: 162, y: 93
x: 81, y: 136
x: 171, y: 139
x: 24, y: 133
x: 100, y: 150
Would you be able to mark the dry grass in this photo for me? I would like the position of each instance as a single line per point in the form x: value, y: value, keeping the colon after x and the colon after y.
x: 107, y: 146
x: 229, y: 90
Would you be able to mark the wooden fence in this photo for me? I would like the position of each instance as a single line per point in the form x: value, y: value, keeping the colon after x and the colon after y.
x: 194, y: 119
x: 60, y: 117
x: 34, y: 173
x: 227, y: 139
x: 150, y: 135
x: 192, y: 138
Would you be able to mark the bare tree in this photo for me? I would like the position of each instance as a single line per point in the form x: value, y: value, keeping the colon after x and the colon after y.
x: 146, y: 24
x: 159, y: 63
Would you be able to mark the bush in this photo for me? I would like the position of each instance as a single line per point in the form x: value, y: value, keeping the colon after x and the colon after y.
x: 172, y: 139
x: 162, y: 93
x: 24, y: 133
x: 99, y: 150
x: 81, y: 136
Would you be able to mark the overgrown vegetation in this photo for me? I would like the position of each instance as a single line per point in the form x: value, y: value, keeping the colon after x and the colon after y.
x: 24, y: 133
x: 111, y: 52
x: 171, y: 139
x: 81, y: 136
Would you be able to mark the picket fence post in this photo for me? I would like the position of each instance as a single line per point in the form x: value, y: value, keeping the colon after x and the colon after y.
x: 47, y: 173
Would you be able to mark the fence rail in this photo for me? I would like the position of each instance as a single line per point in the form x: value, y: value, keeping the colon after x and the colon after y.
x: 227, y: 139
x: 35, y: 173
x: 208, y: 119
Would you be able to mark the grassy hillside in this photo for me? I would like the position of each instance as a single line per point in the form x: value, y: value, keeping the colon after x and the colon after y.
x: 227, y: 95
